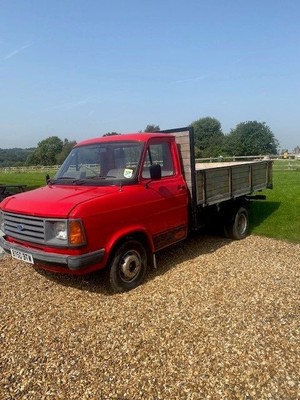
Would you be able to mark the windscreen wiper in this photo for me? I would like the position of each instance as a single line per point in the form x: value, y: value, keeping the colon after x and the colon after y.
x: 65, y: 178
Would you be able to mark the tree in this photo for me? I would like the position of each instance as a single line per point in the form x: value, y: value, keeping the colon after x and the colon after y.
x: 67, y: 147
x: 45, y: 153
x: 152, y: 128
x: 208, y: 137
x: 251, y: 138
x: 14, y: 157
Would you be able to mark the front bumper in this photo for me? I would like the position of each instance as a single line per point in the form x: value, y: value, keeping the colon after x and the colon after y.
x: 73, y: 263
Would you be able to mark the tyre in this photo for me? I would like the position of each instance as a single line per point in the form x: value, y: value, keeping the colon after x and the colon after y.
x: 128, y: 266
x: 237, y: 228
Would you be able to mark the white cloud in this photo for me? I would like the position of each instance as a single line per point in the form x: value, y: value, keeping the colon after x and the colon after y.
x: 70, y: 105
x: 195, y: 79
x: 16, y: 51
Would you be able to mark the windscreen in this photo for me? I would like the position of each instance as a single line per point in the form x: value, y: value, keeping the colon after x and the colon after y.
x: 109, y: 161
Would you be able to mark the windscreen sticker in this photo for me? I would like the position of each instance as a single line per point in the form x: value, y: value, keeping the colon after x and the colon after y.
x: 128, y: 173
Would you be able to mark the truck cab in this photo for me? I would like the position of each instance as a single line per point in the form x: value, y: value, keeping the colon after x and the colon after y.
x: 113, y: 203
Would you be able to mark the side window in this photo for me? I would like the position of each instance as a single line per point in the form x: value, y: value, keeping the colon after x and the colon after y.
x: 159, y: 153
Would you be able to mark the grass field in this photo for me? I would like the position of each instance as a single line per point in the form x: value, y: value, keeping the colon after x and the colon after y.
x: 279, y: 216
x: 31, y: 179
x: 276, y: 217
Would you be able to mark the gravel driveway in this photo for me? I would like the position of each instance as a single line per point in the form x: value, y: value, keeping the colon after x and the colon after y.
x: 217, y: 320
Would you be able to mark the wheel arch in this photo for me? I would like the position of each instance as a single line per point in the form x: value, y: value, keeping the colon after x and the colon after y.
x: 135, y: 234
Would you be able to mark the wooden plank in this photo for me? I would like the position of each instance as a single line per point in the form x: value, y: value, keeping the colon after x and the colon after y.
x: 200, y: 187
x: 259, y: 177
x: 216, y: 182
x: 183, y: 142
x: 240, y: 180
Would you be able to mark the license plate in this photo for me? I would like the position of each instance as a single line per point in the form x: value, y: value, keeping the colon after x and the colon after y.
x: 20, y: 255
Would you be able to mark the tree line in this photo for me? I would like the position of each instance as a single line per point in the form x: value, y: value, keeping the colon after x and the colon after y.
x: 246, y: 139
x: 50, y: 151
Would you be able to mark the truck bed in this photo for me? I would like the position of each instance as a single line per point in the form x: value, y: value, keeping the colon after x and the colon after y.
x: 215, y: 182
x: 221, y: 181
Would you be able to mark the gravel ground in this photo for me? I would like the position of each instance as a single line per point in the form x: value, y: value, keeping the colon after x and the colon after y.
x: 217, y: 320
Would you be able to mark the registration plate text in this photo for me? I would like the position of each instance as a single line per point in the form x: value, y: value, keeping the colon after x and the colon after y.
x: 20, y: 255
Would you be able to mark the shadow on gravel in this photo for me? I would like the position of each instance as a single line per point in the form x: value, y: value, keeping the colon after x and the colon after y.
x: 94, y: 282
x: 194, y: 246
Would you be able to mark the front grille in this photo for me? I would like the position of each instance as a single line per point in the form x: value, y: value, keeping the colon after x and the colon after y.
x: 23, y: 227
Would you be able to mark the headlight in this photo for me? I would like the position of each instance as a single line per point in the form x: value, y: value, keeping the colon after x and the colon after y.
x: 60, y: 230
x: 64, y: 233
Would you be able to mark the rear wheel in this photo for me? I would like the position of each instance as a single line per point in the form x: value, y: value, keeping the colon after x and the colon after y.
x: 237, y: 228
x: 128, y: 267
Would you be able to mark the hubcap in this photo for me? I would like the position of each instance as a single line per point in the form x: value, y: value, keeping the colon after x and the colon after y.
x: 130, y: 265
x: 242, y: 224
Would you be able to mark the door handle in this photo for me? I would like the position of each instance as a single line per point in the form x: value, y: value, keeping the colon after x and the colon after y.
x: 181, y: 187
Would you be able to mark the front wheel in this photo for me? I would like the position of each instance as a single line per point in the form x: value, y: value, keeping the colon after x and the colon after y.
x: 238, y: 227
x: 128, y: 267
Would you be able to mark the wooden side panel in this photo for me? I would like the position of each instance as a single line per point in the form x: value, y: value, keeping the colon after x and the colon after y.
x: 200, y: 186
x: 241, y: 182
x: 183, y: 143
x: 212, y: 183
x: 259, y: 176
x: 217, y: 184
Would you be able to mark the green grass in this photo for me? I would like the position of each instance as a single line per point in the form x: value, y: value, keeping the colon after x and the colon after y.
x: 31, y: 179
x: 277, y: 217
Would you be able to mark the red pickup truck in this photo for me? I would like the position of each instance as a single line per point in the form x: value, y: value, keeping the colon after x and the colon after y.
x: 117, y: 200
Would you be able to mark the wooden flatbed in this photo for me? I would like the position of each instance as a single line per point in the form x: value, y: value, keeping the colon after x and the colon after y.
x: 221, y: 181
x: 216, y: 182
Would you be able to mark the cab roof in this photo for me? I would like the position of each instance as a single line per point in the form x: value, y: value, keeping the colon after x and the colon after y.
x: 140, y: 137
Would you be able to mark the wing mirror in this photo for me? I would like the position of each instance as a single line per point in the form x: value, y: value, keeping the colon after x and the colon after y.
x: 155, y: 172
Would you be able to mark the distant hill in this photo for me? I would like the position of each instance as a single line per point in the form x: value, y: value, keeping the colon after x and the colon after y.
x: 14, y: 157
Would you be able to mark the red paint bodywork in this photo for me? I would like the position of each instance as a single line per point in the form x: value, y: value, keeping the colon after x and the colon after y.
x: 157, y: 210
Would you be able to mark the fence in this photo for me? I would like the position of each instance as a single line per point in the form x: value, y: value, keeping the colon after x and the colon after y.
x: 286, y: 165
x: 280, y: 164
x: 32, y: 168
x: 233, y: 158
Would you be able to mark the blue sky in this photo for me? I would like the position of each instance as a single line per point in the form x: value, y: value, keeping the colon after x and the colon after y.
x: 80, y: 68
